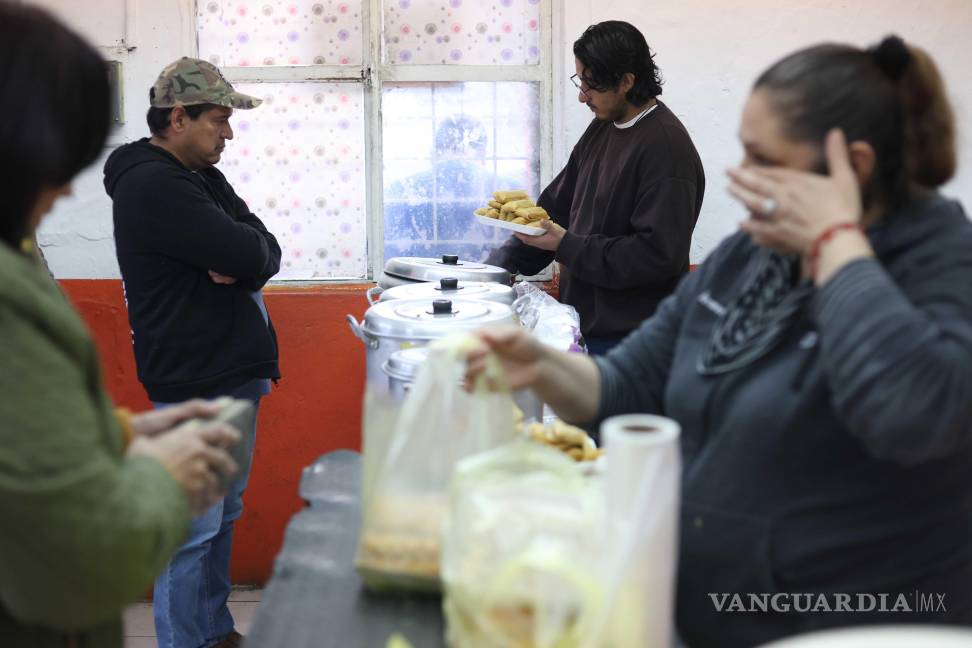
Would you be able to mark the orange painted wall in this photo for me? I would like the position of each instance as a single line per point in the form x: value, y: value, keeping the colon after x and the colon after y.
x: 316, y: 407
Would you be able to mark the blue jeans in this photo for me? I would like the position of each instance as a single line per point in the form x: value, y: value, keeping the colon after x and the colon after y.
x: 189, y: 601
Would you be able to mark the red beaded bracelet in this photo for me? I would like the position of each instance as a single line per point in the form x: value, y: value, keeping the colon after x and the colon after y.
x: 822, y: 238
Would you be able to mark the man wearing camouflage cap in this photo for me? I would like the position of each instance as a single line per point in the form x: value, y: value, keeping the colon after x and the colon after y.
x: 191, y: 82
x: 193, y: 259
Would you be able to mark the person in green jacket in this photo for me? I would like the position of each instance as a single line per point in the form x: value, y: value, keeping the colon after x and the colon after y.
x: 93, y: 501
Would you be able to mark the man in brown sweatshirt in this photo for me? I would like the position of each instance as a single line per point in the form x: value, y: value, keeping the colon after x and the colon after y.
x: 624, y: 208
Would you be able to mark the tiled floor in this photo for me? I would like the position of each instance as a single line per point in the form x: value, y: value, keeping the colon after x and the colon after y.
x: 140, y: 629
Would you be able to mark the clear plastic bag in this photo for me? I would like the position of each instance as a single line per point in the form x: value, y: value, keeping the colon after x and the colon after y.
x: 407, y: 471
x: 520, y: 554
x: 540, y: 553
x: 556, y: 324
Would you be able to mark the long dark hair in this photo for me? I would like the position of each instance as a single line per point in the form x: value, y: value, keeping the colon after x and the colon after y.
x: 612, y: 48
x: 54, y: 110
x: 890, y: 96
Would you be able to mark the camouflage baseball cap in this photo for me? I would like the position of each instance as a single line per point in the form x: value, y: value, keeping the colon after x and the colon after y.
x: 189, y: 82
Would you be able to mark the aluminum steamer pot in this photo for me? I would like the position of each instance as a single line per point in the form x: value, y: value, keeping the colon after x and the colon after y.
x: 400, y: 271
x: 404, y: 323
x: 450, y: 288
x: 402, y: 368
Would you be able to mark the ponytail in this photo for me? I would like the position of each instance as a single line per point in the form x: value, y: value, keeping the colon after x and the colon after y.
x: 929, y: 123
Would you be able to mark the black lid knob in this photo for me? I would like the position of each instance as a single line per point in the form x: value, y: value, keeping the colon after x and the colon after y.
x: 442, y: 307
x: 450, y: 259
x: 449, y: 283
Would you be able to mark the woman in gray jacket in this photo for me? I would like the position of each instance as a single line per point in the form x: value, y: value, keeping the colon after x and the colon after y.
x: 819, y: 363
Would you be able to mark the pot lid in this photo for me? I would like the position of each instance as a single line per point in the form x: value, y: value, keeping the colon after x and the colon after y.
x: 451, y: 288
x: 428, y: 319
x: 386, y: 281
x: 405, y: 364
x: 448, y: 265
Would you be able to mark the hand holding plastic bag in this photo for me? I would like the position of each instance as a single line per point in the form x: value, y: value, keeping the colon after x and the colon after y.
x: 407, y: 471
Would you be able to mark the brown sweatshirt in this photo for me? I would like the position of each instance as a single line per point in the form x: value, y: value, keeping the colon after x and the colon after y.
x: 629, y: 199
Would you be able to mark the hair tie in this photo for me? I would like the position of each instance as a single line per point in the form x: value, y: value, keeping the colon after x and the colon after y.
x: 892, y: 56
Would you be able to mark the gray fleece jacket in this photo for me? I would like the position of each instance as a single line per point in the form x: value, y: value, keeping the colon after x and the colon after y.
x: 840, y: 461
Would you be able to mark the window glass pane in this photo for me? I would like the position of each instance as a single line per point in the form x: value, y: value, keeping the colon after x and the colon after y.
x: 467, y: 32
x: 447, y: 147
x: 241, y: 33
x: 298, y: 162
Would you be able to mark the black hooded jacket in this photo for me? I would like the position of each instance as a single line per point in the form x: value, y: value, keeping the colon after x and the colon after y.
x: 192, y: 336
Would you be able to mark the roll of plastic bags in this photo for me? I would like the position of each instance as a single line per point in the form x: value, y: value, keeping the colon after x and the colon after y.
x: 643, y: 485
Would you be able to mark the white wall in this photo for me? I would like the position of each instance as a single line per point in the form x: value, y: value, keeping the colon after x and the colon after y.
x: 77, y: 236
x: 709, y: 51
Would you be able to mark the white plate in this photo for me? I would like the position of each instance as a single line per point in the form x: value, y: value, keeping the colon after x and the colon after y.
x: 516, y: 227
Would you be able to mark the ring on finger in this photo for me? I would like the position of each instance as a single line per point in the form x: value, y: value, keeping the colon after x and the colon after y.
x: 769, y: 207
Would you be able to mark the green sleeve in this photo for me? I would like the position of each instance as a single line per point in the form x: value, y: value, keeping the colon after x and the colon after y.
x: 85, y: 530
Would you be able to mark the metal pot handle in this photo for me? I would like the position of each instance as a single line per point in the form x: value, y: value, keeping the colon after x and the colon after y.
x: 373, y: 292
x: 370, y: 342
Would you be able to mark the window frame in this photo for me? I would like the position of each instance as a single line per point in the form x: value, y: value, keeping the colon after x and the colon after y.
x: 373, y: 73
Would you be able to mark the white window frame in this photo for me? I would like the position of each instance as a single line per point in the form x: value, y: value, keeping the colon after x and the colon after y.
x: 373, y: 73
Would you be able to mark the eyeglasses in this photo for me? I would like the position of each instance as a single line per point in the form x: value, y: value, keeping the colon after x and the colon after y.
x: 579, y: 83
